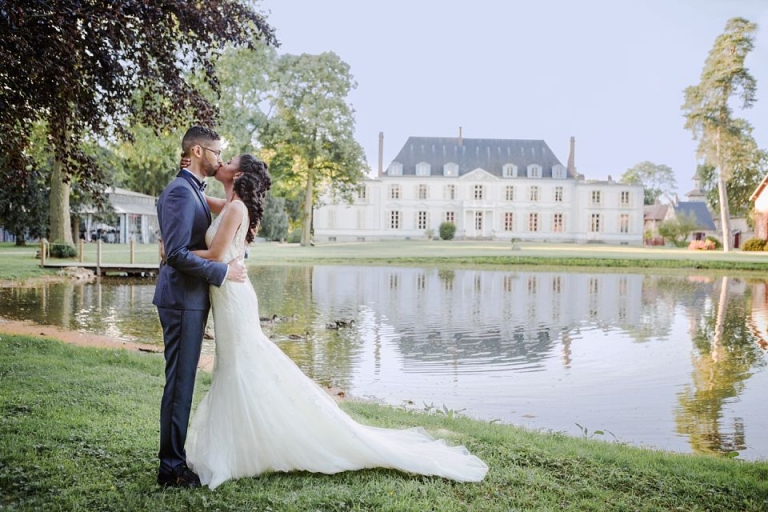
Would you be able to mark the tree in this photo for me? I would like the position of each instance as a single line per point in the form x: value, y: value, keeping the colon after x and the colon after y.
x: 748, y: 165
x: 708, y: 112
x: 78, y: 66
x: 678, y: 229
x: 274, y: 226
x: 23, y: 202
x: 309, y: 141
x: 657, y: 180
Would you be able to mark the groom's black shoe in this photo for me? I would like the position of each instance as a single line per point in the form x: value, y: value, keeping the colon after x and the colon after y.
x: 183, y: 477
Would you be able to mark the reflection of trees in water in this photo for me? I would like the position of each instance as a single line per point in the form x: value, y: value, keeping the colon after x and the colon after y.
x: 725, y: 354
x: 660, y: 296
x: 325, y: 355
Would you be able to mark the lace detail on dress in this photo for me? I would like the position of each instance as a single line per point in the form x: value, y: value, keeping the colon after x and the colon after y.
x: 237, y: 247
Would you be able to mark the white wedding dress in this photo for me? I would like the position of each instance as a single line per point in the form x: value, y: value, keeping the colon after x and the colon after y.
x: 263, y: 414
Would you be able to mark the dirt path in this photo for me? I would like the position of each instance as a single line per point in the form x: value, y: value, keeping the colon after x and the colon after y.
x: 84, y: 339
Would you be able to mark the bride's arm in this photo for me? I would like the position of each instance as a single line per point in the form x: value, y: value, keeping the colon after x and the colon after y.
x: 215, y: 204
x: 233, y: 216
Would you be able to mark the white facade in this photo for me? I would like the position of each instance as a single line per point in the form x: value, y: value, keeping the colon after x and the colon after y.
x: 516, y: 200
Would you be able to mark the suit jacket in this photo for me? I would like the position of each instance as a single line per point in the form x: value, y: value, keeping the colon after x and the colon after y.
x: 184, y: 217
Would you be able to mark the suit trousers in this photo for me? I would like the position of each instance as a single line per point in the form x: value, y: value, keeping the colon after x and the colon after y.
x: 183, y: 337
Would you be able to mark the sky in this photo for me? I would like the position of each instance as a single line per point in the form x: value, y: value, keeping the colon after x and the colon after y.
x: 610, y: 73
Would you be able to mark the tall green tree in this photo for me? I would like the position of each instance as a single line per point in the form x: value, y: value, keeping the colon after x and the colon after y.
x: 707, y: 107
x: 657, y: 180
x: 309, y: 139
x: 78, y: 65
x: 748, y: 164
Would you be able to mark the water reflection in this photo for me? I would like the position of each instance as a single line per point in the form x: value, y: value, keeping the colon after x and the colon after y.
x: 670, y: 361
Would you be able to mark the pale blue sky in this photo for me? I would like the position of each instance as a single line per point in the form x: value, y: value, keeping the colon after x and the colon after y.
x: 609, y: 72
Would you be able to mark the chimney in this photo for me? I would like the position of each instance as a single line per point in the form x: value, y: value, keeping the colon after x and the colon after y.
x: 572, y: 158
x: 381, y: 153
x: 461, y: 141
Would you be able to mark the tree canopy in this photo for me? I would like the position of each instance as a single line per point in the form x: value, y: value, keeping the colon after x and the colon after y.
x: 657, y: 180
x: 91, y: 69
x: 708, y: 112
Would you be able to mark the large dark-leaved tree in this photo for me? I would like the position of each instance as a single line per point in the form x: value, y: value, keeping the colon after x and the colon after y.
x: 90, y: 69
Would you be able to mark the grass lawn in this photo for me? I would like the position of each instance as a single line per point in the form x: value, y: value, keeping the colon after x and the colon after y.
x: 79, y: 431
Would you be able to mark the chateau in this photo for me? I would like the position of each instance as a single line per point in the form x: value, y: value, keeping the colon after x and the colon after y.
x: 498, y: 189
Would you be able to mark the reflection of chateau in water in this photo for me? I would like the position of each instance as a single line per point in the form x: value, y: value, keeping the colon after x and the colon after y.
x: 482, y: 315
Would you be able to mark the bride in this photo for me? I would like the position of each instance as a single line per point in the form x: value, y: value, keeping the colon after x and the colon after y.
x: 262, y: 413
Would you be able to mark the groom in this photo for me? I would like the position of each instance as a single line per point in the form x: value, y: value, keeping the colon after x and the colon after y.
x: 181, y: 295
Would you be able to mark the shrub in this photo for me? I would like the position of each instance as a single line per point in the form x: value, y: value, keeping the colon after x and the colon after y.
x: 447, y: 230
x: 715, y: 241
x: 754, y: 244
x: 61, y: 249
x: 295, y: 236
x: 701, y: 245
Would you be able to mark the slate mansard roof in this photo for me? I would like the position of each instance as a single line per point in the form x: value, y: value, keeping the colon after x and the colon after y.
x: 487, y: 154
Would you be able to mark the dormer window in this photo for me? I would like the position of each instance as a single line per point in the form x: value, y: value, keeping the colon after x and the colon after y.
x: 450, y: 169
x: 509, y: 171
x: 558, y: 172
x: 395, y: 169
x: 534, y: 171
x: 422, y: 169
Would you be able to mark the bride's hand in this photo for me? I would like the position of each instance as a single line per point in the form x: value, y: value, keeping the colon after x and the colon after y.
x: 185, y: 162
x: 237, y: 271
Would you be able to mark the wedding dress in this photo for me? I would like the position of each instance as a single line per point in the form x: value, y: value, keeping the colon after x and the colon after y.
x: 263, y: 414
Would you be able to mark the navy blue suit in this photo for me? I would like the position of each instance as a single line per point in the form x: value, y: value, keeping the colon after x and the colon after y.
x: 182, y: 301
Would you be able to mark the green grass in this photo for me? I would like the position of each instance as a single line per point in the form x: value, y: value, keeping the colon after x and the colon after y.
x: 79, y: 431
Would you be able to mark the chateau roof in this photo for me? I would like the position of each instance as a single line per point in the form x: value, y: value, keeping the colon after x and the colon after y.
x: 470, y: 154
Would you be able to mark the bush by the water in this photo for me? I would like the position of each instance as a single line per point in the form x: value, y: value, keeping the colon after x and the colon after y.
x: 753, y: 244
x: 61, y: 249
x: 715, y: 241
x: 295, y: 236
x: 701, y: 245
x: 447, y: 230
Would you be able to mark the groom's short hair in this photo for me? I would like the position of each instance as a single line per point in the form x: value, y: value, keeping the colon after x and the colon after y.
x: 197, y: 135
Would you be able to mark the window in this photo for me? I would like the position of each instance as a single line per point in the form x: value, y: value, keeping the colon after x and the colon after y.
x: 510, y: 193
x: 596, y: 197
x: 533, y: 222
x: 533, y: 194
x: 479, y: 221
x: 450, y: 191
x: 557, y: 285
x: 423, y: 192
x: 558, y: 194
x: 362, y: 192
x: 509, y: 171
x: 509, y: 221
x: 624, y: 223
x: 394, y: 191
x: 450, y: 169
x: 394, y: 219
x: 422, y: 220
x: 594, y: 224
x: 558, y: 171
x: 479, y: 192
x: 395, y: 169
x: 557, y: 222
x: 422, y: 169
x: 534, y: 171
x: 450, y: 217
x: 624, y: 198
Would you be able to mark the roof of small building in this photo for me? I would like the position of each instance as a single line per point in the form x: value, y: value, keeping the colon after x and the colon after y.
x: 759, y: 189
x: 470, y: 154
x: 698, y: 211
x: 655, y: 211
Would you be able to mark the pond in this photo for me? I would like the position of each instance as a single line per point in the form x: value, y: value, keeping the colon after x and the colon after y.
x: 670, y: 361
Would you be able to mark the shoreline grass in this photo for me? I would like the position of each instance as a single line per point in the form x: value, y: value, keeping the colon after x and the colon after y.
x: 79, y: 432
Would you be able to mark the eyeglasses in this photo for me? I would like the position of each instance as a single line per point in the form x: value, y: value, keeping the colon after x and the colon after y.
x: 217, y: 153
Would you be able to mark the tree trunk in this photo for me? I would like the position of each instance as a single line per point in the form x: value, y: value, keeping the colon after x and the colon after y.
x: 59, y: 218
x: 306, y: 234
x: 725, y: 215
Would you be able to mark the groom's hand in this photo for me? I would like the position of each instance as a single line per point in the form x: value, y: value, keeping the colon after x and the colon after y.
x: 237, y: 271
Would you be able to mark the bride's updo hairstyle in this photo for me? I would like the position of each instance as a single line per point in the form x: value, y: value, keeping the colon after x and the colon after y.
x: 251, y: 187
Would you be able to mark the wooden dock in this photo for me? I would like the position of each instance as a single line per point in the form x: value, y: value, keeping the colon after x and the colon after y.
x: 99, y: 267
